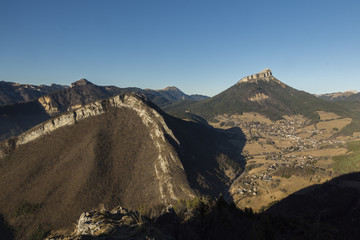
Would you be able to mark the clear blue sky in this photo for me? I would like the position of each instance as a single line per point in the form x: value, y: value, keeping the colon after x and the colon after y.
x: 199, y: 46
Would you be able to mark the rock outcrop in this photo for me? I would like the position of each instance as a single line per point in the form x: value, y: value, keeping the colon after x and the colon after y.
x: 265, y: 74
x: 119, y: 223
x: 259, y: 97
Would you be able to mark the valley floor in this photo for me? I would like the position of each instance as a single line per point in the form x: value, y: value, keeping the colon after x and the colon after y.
x: 285, y: 156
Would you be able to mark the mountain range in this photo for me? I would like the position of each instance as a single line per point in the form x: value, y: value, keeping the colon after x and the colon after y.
x: 15, y: 93
x: 75, y: 149
x: 19, y: 117
x: 11, y: 93
x: 351, y: 95
x: 348, y: 100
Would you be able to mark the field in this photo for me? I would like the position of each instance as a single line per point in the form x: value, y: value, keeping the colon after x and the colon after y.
x: 349, y: 162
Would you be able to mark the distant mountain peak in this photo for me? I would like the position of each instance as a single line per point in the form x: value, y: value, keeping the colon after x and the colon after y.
x: 336, y: 96
x: 81, y: 82
x: 170, y: 88
x: 352, y: 91
x: 265, y: 75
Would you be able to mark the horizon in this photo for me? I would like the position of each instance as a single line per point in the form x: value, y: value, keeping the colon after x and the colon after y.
x: 201, y: 47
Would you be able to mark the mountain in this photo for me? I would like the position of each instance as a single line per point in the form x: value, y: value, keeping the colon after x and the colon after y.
x: 119, y: 151
x: 338, y: 96
x: 17, y: 118
x: 15, y: 93
x: 348, y: 100
x: 261, y: 93
x: 175, y: 94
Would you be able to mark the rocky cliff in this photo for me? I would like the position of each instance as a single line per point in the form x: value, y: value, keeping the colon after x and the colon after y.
x: 153, y: 121
x: 265, y: 75
x: 118, y: 151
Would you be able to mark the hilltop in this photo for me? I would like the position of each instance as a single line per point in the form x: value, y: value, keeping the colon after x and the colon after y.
x: 119, y: 151
x: 260, y: 93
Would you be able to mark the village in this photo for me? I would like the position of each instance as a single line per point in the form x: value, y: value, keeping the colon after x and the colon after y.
x: 283, y: 156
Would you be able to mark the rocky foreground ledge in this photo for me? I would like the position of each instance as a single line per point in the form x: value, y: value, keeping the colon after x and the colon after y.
x: 119, y: 223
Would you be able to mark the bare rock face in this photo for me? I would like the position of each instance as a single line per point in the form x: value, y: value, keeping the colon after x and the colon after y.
x: 45, y: 101
x: 259, y: 97
x: 119, y: 223
x: 265, y: 74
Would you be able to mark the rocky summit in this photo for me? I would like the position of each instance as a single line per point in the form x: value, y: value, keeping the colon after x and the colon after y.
x: 265, y: 74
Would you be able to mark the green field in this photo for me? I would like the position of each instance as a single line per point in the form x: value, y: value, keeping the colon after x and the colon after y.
x: 349, y: 162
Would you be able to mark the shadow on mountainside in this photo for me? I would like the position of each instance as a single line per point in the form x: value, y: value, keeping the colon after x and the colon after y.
x: 6, y: 232
x: 204, y: 151
x: 18, y: 118
x: 109, y: 159
x: 327, y: 211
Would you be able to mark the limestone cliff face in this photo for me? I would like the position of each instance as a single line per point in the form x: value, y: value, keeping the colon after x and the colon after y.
x: 48, y: 106
x: 159, y: 132
x: 264, y: 75
x: 119, y: 151
x: 115, y: 151
x: 259, y: 97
